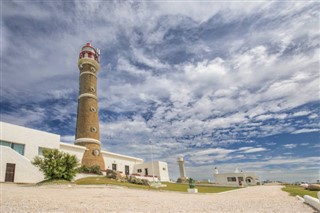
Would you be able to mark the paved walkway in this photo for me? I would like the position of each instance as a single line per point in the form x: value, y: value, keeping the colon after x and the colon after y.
x: 19, y: 198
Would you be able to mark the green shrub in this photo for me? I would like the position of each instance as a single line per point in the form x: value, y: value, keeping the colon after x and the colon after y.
x: 90, y: 169
x: 138, y: 181
x: 56, y: 165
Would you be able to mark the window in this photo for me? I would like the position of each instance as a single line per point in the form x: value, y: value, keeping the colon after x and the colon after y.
x: 139, y: 170
x: 93, y: 129
x: 114, y: 167
x: 92, y: 89
x: 5, y: 143
x: 231, y: 179
x: 86, y: 48
x: 40, y: 150
x: 164, y: 169
x: 15, y: 146
x: 92, y: 109
x: 240, y: 178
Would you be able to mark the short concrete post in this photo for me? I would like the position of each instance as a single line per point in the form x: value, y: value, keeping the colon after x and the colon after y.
x: 312, y: 201
x: 191, y: 186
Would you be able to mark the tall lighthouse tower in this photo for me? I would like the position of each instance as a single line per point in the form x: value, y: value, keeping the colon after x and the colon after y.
x: 87, y: 131
x: 181, y: 168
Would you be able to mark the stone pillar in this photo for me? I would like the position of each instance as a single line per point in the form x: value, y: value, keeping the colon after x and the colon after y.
x: 87, y: 131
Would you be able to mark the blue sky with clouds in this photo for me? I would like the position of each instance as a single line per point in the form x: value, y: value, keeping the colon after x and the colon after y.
x: 224, y: 84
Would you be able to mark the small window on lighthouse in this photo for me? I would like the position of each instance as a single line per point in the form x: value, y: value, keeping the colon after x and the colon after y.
x: 92, y: 109
x: 93, y: 129
x: 93, y: 69
x: 92, y: 89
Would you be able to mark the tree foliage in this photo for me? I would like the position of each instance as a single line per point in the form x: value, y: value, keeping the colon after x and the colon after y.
x: 56, y: 165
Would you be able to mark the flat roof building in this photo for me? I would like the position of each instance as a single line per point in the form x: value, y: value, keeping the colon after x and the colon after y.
x: 19, y: 145
x: 236, y: 178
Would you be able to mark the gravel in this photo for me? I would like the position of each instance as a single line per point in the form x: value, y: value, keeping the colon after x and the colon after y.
x: 75, y: 198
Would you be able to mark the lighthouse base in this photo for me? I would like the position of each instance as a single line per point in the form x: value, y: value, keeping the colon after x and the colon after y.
x: 92, y: 156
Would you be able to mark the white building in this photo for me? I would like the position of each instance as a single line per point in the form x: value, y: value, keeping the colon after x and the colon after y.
x: 159, y: 170
x: 19, y: 145
x: 237, y: 178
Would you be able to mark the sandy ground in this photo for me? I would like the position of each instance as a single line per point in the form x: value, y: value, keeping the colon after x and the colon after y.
x: 22, y: 198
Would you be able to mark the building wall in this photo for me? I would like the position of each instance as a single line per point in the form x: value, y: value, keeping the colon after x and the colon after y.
x: 25, y: 172
x: 162, y: 167
x: 73, y: 150
x: 121, y: 161
x: 33, y: 139
x: 222, y: 179
x: 109, y: 158
x: 160, y: 170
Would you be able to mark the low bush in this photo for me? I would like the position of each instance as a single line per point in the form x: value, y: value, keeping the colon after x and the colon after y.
x: 90, y: 169
x: 56, y: 165
x: 138, y: 181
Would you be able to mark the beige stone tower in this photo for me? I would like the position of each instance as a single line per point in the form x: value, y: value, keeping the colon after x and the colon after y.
x: 87, y: 132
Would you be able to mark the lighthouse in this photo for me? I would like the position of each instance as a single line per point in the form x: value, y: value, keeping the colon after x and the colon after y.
x: 87, y: 130
x: 181, y: 168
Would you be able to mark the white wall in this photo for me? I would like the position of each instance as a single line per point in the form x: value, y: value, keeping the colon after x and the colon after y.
x: 121, y: 161
x: 163, y: 171
x: 222, y: 179
x: 33, y: 139
x: 73, y: 150
x: 108, y: 157
x: 25, y: 172
x: 158, y: 166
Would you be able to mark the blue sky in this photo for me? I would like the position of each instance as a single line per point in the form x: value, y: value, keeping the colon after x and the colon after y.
x: 224, y: 84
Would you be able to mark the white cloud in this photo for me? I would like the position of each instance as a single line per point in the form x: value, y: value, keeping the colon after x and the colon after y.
x: 305, y: 144
x: 25, y: 116
x: 68, y: 139
x: 206, y: 71
x: 290, y: 146
x: 305, y: 131
x: 252, y: 149
x: 301, y: 113
x: 143, y: 58
x: 313, y: 116
x: 216, y: 151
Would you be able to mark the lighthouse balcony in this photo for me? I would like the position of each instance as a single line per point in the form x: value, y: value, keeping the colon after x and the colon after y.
x: 89, y: 55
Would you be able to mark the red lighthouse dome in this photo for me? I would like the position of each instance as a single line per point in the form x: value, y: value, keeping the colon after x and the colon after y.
x: 89, y: 52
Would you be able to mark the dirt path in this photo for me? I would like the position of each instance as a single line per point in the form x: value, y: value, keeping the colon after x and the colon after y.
x: 19, y: 198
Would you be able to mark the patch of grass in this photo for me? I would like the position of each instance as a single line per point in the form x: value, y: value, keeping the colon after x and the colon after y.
x: 104, y: 180
x: 299, y: 190
x: 201, y: 189
x: 170, y: 186
x: 54, y: 182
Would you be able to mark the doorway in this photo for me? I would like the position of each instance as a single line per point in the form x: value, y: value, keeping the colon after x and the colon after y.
x: 10, y: 169
x: 249, y: 180
x: 146, y: 171
x: 126, y: 170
